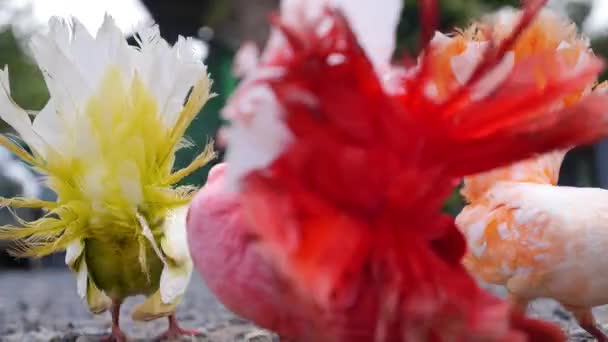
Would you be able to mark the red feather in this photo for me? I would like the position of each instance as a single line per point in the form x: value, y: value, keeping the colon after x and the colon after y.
x: 352, y: 207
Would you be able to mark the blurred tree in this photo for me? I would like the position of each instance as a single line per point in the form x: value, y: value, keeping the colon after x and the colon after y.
x: 27, y: 85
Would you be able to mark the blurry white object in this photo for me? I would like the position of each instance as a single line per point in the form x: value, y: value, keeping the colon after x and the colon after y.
x: 14, y: 173
x: 201, y: 49
x: 246, y: 59
x: 128, y: 14
x: 31, y: 16
x: 597, y: 21
x: 559, y: 6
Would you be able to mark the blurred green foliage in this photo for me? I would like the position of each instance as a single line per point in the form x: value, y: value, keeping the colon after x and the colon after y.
x: 27, y: 85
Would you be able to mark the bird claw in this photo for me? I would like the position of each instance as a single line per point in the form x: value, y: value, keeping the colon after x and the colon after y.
x: 175, y: 331
x: 116, y: 336
x: 596, y: 332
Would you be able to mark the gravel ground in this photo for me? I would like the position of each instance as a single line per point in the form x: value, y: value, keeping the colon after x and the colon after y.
x: 43, y: 306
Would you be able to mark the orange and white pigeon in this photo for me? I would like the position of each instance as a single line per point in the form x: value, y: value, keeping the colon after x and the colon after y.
x: 524, y: 232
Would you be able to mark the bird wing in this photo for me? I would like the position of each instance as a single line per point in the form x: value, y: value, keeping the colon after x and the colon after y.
x: 503, y: 235
x: 177, y: 265
x: 527, y: 229
x: 96, y: 299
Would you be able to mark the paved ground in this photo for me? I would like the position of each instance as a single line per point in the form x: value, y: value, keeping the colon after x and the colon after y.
x: 43, y: 306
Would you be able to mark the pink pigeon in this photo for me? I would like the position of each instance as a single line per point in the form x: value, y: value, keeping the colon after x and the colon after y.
x: 301, y: 261
x: 226, y: 256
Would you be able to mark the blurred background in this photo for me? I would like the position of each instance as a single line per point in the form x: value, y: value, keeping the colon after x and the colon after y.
x: 220, y: 26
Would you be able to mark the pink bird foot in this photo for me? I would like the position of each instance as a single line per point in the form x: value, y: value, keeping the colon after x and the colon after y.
x: 596, y: 332
x: 585, y: 319
x: 175, y: 331
x: 117, y: 335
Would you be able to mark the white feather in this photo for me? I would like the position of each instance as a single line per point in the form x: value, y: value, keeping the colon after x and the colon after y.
x: 175, y: 277
x: 16, y: 117
x: 258, y: 136
x: 373, y: 22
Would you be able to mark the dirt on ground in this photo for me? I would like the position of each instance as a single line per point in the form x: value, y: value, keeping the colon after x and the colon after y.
x: 43, y: 306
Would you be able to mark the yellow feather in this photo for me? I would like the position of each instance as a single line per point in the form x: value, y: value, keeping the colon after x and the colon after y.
x: 19, y: 152
x: 119, y: 164
x: 203, y: 158
x: 197, y: 99
x: 24, y: 202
